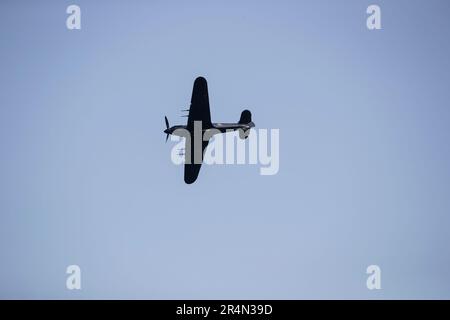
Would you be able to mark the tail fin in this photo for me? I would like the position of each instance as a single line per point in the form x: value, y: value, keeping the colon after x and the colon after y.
x: 246, y: 117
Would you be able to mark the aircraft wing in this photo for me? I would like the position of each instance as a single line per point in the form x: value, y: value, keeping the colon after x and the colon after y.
x: 199, y: 109
x: 191, y: 170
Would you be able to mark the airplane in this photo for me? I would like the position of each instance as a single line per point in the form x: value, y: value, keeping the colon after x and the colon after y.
x: 199, y: 111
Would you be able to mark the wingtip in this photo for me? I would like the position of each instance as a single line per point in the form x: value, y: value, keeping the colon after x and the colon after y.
x: 191, y: 176
x: 189, y: 181
x: 200, y: 80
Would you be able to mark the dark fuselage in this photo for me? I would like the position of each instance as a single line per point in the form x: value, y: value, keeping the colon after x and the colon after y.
x: 221, y: 127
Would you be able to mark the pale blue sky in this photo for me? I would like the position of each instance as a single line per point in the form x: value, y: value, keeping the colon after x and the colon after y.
x: 86, y: 177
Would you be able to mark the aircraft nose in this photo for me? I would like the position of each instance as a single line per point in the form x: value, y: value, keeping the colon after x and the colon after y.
x: 166, y: 131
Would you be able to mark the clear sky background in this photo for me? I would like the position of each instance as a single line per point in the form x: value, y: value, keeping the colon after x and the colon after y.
x: 86, y: 178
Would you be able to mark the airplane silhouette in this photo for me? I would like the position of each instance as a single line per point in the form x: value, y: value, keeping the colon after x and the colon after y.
x: 199, y: 112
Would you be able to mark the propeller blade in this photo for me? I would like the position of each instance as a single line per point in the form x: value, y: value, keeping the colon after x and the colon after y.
x: 186, y: 110
x: 167, y: 123
x: 167, y: 137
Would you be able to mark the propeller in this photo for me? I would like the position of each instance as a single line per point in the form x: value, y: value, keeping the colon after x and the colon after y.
x: 167, y: 128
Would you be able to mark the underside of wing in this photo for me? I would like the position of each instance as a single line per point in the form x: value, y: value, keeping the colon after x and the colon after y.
x: 193, y: 163
x: 199, y: 109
